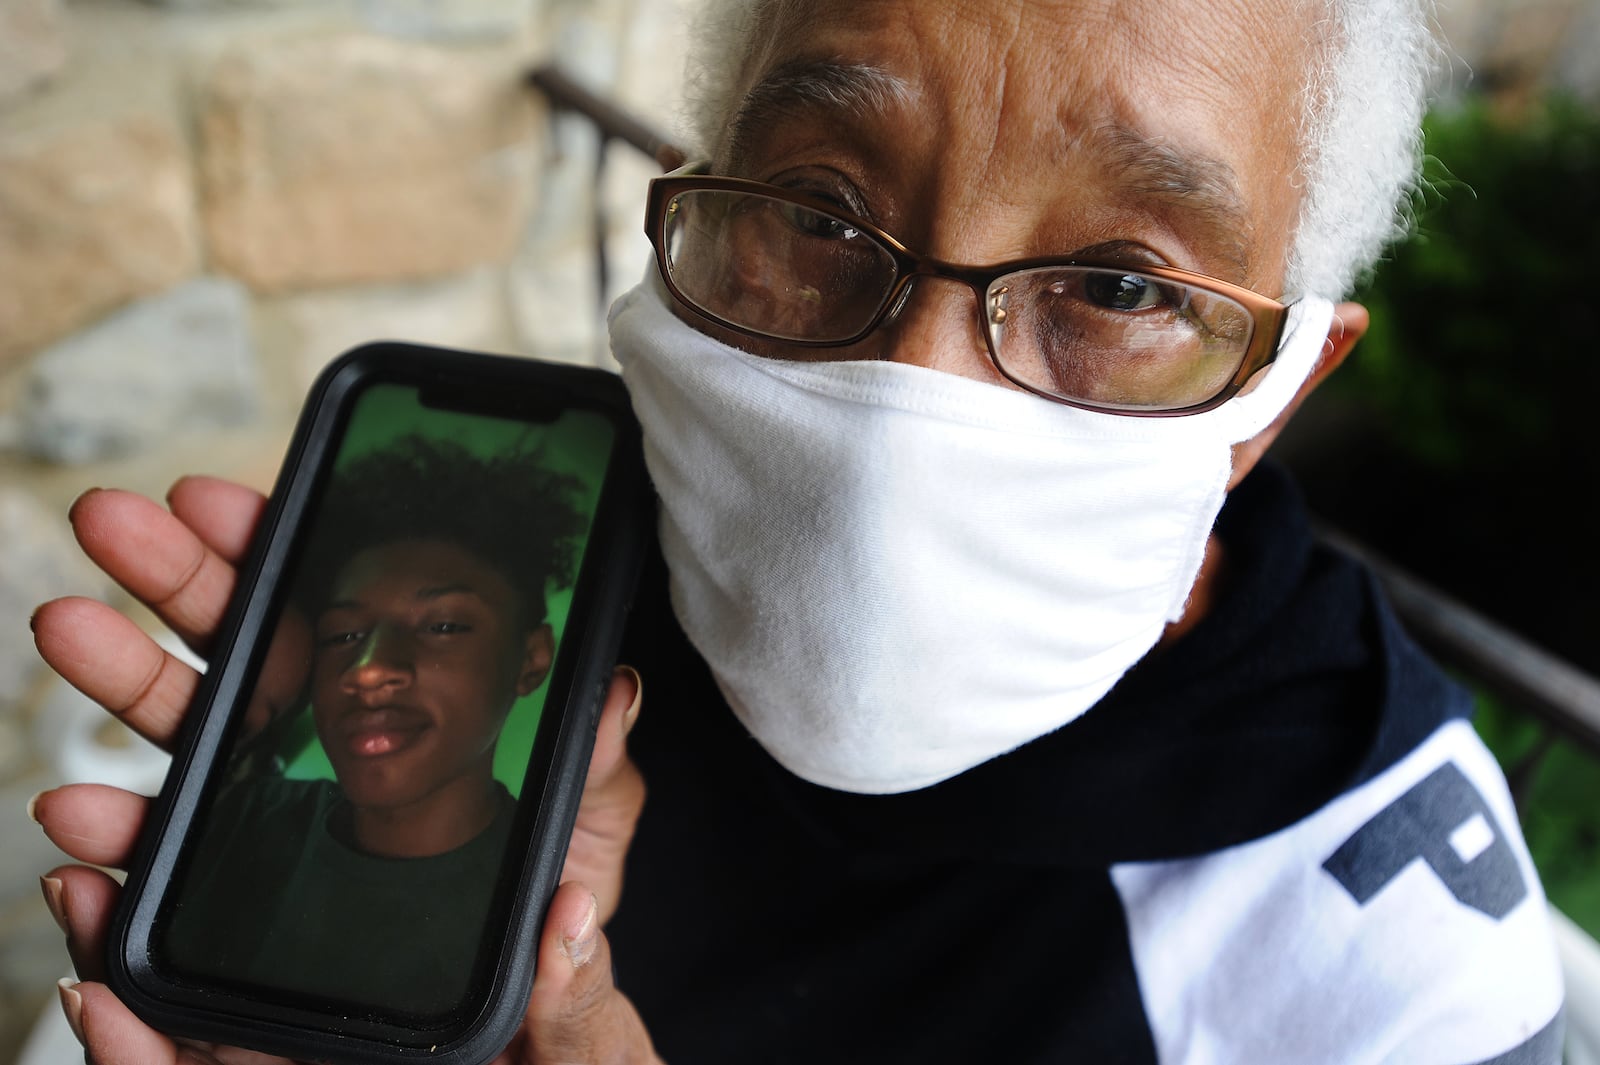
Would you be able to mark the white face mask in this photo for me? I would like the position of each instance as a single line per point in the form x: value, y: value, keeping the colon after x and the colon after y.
x: 896, y: 573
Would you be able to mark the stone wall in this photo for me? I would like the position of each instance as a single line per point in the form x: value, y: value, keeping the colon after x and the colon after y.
x: 201, y: 203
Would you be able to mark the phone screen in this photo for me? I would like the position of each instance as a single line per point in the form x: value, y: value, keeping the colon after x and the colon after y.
x: 351, y: 855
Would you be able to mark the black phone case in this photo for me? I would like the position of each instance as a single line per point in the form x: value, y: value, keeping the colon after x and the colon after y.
x: 603, y: 593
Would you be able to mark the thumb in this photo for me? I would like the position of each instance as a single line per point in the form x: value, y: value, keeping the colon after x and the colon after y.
x: 576, y: 1013
x: 613, y: 796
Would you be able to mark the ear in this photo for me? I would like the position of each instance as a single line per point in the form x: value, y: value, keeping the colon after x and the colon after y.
x: 539, y: 650
x: 1350, y: 321
x: 670, y: 157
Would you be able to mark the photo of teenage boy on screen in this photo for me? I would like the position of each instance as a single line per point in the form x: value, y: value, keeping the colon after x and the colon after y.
x: 423, y: 586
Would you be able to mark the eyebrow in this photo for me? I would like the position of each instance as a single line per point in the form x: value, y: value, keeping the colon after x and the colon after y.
x: 423, y: 594
x: 1197, y: 186
x: 856, y: 89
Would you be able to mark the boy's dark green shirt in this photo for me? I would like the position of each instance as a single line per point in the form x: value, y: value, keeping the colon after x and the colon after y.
x: 278, y: 900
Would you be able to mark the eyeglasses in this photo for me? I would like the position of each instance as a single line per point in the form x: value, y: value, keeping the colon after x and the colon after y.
x: 783, y: 266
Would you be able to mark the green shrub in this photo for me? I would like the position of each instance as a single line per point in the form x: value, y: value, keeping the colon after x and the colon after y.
x: 1466, y: 446
x: 1560, y: 811
x: 1482, y: 354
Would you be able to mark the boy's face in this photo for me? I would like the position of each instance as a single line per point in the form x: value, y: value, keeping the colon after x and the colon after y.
x: 419, y: 655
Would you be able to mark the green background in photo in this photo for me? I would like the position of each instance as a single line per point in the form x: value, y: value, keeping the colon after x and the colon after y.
x: 578, y: 443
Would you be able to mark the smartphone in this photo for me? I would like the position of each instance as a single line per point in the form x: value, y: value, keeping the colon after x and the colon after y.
x: 373, y: 793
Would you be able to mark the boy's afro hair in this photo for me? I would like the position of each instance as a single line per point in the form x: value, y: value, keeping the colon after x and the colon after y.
x: 507, y: 510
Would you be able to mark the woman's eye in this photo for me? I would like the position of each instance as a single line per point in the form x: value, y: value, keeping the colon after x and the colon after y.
x: 340, y: 639
x: 1125, y: 292
x: 817, y: 224
x: 449, y: 628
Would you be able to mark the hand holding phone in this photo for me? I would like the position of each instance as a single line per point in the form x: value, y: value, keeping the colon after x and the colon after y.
x: 180, y: 563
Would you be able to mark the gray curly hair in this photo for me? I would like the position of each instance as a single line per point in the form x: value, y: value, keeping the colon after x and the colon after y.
x: 1361, y: 141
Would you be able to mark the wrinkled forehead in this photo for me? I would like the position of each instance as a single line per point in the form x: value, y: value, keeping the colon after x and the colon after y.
x: 1228, y: 63
x: 1197, y: 104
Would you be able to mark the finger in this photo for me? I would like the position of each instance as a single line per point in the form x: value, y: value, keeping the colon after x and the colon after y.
x: 82, y: 900
x: 575, y: 1012
x: 624, y: 697
x: 223, y: 515
x: 92, y: 823
x: 112, y: 1035
x: 111, y: 660
x: 157, y: 558
x: 613, y: 796
x: 240, y: 1056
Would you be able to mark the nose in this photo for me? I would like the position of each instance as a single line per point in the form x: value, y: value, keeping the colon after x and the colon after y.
x: 383, y: 664
x: 936, y: 325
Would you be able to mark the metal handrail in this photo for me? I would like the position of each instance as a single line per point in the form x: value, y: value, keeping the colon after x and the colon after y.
x: 1524, y: 676
x: 1503, y: 663
x: 614, y: 123
x: 563, y: 93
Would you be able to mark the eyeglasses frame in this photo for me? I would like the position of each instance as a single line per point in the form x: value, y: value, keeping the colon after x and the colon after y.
x: 1268, y: 316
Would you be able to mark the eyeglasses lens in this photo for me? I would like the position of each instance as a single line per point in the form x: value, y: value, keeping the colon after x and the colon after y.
x: 1109, y: 337
x: 773, y: 267
x: 1116, y: 338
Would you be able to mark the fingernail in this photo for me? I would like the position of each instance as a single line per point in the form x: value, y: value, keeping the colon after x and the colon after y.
x: 582, y: 937
x: 55, y: 899
x: 33, y: 804
x: 72, y: 1006
x: 33, y: 618
x: 631, y: 714
x: 85, y: 494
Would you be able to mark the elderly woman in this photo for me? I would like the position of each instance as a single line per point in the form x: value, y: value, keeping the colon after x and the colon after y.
x: 968, y: 319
